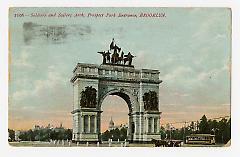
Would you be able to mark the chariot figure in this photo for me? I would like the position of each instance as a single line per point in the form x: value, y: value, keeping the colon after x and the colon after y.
x: 128, y: 58
x: 104, y: 55
x: 108, y: 56
x: 116, y: 50
x: 121, y: 58
x: 115, y: 57
x: 114, y: 47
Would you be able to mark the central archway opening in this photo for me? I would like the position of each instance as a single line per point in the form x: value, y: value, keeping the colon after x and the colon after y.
x: 115, y: 117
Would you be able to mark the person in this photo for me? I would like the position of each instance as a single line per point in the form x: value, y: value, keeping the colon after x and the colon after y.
x: 114, y: 47
x: 115, y: 57
x: 122, y: 55
x: 129, y: 58
x: 104, y: 54
x: 108, y: 56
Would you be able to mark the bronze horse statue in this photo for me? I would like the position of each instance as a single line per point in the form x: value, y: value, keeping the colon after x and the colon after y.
x: 115, y: 58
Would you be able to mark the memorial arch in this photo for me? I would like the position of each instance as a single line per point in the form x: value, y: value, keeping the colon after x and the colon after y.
x: 133, y: 85
x: 138, y: 87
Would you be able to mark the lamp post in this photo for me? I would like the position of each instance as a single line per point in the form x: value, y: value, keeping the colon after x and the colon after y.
x: 184, y: 131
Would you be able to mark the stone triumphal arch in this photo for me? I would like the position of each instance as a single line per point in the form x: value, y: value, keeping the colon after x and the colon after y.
x: 138, y: 87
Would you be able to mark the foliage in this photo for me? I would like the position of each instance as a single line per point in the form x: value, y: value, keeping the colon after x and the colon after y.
x: 221, y: 129
x: 115, y: 134
x: 46, y: 135
x: 204, y: 125
x: 11, y: 134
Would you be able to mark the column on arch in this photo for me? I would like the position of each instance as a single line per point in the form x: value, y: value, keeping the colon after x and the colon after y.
x: 149, y: 125
x: 95, y: 124
x: 158, y: 124
x: 146, y: 126
x: 152, y: 125
x: 89, y: 123
x: 82, y: 124
x: 129, y: 131
x: 86, y: 124
x: 155, y: 121
x: 92, y: 123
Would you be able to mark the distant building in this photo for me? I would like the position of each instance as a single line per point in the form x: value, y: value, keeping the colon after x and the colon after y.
x: 111, y: 125
x: 36, y: 127
x: 125, y: 126
x: 50, y: 126
x: 59, y: 129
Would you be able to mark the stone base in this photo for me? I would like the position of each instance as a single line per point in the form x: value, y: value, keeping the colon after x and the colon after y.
x: 145, y: 138
x: 87, y: 137
x: 149, y: 137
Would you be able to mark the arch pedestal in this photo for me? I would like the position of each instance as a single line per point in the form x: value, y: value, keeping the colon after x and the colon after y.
x: 124, y: 81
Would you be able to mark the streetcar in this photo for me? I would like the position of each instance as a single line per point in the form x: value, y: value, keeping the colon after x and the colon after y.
x: 200, y: 139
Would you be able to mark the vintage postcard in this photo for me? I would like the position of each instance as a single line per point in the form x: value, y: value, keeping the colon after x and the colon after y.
x: 119, y: 77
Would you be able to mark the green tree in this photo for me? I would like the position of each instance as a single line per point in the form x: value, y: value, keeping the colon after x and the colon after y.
x: 224, y: 131
x: 192, y: 127
x: 123, y: 134
x: 11, y: 134
x: 162, y: 132
x: 213, y: 126
x: 228, y: 132
x: 204, y: 126
x: 106, y: 135
x: 115, y: 134
x: 68, y: 134
x: 23, y: 136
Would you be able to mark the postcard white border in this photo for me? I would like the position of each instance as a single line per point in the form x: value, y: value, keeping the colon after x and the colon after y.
x: 7, y: 150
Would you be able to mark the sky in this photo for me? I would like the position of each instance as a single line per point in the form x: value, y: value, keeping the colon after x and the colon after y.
x: 191, y: 47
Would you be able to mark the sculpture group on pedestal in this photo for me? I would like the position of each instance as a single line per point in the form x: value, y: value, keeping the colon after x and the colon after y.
x: 150, y: 100
x: 88, y: 97
x: 116, y: 57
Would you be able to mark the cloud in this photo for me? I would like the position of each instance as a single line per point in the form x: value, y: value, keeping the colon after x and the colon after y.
x: 23, y: 61
x: 179, y: 72
x: 49, y: 101
x: 212, y: 26
x: 213, y: 73
x: 48, y: 90
x: 20, y: 95
x: 181, y: 94
x: 53, y: 79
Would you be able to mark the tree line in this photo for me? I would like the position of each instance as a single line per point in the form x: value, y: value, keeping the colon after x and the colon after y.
x: 115, y: 134
x: 42, y: 135
x: 221, y: 129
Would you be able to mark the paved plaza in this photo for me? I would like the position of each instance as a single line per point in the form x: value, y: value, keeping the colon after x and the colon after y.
x: 114, y: 144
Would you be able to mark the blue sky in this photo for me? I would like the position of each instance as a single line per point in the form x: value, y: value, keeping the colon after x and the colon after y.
x: 191, y: 47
